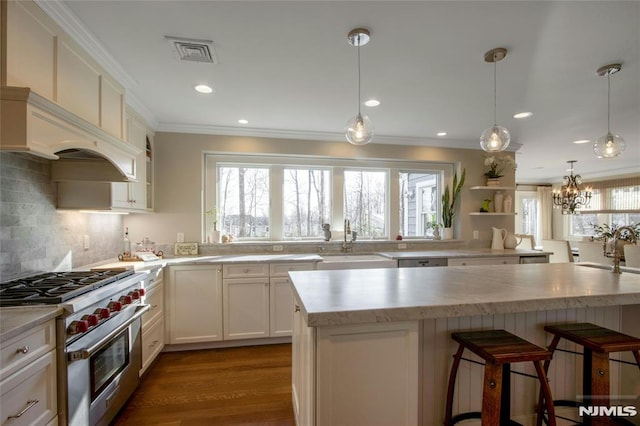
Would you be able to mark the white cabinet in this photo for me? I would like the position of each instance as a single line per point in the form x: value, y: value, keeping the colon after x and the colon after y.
x: 153, y: 320
x: 246, y: 308
x: 28, y: 386
x: 194, y: 304
x: 133, y: 195
x: 280, y: 307
x: 330, y: 364
x: 474, y: 261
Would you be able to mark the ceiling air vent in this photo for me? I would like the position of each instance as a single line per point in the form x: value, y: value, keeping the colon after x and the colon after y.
x: 189, y: 49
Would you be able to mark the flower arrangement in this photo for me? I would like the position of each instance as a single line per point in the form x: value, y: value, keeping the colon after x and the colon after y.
x: 214, y: 213
x: 497, y: 164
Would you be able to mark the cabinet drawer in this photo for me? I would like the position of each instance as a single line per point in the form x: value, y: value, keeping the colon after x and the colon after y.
x: 24, y: 349
x: 32, y: 392
x: 155, y: 298
x: 152, y: 343
x: 245, y: 270
x: 282, y: 269
x: 475, y: 261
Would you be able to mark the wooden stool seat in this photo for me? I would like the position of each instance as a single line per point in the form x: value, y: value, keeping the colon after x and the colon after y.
x: 598, y: 342
x: 499, y: 349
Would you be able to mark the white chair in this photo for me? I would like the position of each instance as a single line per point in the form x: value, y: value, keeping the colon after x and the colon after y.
x: 561, y: 251
x: 592, y: 251
x: 632, y: 255
x: 527, y: 242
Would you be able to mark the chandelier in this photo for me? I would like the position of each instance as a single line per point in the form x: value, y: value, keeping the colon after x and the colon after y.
x: 570, y: 197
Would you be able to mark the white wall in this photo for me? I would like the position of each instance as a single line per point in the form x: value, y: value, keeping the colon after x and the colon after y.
x: 179, y: 174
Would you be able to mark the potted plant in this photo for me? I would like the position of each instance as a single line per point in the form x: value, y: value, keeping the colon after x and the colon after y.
x: 213, y: 235
x: 449, y: 198
x: 605, y: 233
x: 497, y: 165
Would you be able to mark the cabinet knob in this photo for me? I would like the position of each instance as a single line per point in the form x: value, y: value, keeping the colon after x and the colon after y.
x: 246, y: 271
x: 297, y: 308
x: 22, y: 350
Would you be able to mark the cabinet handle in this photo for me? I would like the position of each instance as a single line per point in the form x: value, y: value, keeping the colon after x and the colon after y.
x: 297, y: 308
x: 246, y: 271
x: 23, y: 350
x: 28, y: 407
x: 464, y: 264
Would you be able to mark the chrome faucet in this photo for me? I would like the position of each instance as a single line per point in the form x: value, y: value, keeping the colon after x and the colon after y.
x: 616, y: 253
x: 347, y: 238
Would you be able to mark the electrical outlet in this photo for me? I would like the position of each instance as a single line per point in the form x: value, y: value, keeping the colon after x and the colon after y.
x: 475, y: 235
x: 402, y: 246
x: 277, y: 248
x: 86, y: 242
x: 180, y: 237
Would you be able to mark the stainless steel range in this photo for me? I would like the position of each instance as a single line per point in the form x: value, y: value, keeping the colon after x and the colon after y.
x: 98, y: 337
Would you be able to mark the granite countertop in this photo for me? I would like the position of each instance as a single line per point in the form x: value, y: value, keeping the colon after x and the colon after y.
x: 461, y: 253
x: 384, y: 295
x: 17, y: 319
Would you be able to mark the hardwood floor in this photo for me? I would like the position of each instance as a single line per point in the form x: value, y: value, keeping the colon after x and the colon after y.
x: 231, y: 386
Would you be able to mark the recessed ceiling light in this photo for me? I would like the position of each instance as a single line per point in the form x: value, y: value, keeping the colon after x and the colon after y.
x: 523, y: 115
x: 243, y: 121
x: 441, y: 133
x: 582, y: 141
x: 372, y: 103
x: 203, y: 88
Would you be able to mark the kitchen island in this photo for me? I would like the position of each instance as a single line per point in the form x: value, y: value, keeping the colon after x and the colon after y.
x: 373, y: 346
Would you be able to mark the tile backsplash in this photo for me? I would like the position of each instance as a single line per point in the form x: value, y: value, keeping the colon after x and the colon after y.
x: 34, y: 236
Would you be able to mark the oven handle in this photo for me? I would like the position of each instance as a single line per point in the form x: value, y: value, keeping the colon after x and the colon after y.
x: 88, y: 352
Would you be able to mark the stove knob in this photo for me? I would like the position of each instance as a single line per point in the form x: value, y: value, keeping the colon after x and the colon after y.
x: 114, y: 306
x: 77, y: 327
x: 103, y: 313
x: 142, y: 291
x: 125, y: 300
x: 135, y: 294
x: 91, y: 319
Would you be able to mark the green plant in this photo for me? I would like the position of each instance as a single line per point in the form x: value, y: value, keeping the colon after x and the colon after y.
x: 449, y: 198
x: 606, y: 231
x: 497, y: 164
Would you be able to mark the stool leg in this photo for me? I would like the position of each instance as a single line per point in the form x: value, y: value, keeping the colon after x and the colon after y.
x: 491, y: 391
x: 636, y: 355
x: 452, y: 385
x: 545, y: 392
x: 599, y: 389
x: 541, y: 399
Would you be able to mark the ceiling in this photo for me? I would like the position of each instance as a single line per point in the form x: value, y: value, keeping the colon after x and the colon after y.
x: 288, y: 69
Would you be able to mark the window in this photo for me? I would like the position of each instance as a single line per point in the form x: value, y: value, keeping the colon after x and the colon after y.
x: 365, y: 202
x: 288, y: 197
x: 306, y: 196
x: 420, y: 203
x: 527, y: 213
x: 243, y: 201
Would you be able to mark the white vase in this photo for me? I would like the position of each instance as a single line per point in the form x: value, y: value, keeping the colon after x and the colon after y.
x: 497, y: 201
x: 507, y: 204
x: 447, y: 233
x: 214, y: 236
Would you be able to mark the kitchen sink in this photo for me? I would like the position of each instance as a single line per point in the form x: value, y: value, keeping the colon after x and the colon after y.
x: 356, y: 261
x: 608, y: 267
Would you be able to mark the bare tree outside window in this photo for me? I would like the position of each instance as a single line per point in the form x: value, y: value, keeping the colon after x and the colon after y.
x: 243, y: 201
x: 365, y: 202
x: 306, y: 202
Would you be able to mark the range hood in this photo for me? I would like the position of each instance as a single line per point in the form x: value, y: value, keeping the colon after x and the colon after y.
x: 83, y: 151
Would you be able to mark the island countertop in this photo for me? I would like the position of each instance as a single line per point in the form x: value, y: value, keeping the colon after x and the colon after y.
x: 405, y: 294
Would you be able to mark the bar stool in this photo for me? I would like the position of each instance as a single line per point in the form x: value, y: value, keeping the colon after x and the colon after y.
x: 598, y: 343
x: 499, y: 349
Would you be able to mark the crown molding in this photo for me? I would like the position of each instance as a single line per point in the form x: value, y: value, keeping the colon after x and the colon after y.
x: 75, y: 28
x: 317, y: 136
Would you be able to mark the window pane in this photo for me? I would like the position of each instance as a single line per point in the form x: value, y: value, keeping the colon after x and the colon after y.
x: 306, y: 202
x: 419, y: 203
x: 529, y: 219
x: 243, y: 201
x: 365, y: 202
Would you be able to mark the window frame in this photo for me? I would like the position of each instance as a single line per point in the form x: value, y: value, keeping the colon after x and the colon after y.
x: 276, y: 165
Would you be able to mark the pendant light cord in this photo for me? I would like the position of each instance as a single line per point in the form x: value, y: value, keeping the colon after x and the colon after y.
x: 608, y: 102
x: 358, y: 74
x: 495, y: 90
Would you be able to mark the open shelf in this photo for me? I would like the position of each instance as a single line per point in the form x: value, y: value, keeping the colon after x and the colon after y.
x: 495, y: 188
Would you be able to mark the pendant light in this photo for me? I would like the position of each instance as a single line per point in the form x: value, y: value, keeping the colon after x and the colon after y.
x: 609, y: 145
x: 495, y: 138
x: 359, y: 129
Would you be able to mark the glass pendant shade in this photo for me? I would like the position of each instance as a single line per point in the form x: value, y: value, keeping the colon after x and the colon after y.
x: 609, y: 146
x: 495, y: 139
x: 359, y: 130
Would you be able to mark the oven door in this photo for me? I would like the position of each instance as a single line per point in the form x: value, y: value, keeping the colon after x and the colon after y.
x: 103, y: 369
